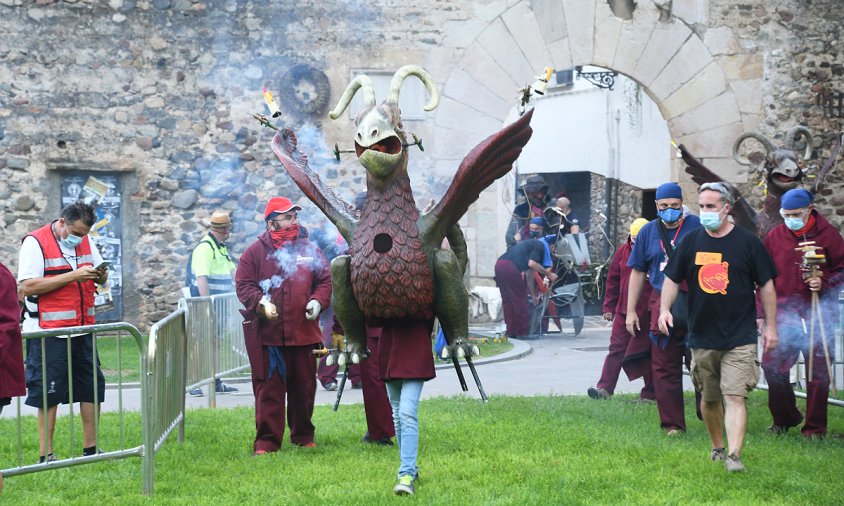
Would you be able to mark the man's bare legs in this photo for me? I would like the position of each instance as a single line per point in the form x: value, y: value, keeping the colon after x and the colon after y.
x: 46, y: 447
x: 735, y: 420
x: 713, y: 418
x: 89, y: 434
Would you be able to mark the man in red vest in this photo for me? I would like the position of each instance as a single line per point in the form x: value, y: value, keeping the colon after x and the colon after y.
x: 57, y: 272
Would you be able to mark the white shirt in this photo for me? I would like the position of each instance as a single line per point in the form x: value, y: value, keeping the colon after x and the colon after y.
x: 31, y: 266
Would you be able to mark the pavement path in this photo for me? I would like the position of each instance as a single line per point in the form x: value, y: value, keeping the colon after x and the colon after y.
x: 553, y: 365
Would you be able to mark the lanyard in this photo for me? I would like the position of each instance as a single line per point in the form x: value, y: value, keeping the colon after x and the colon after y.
x: 674, y: 239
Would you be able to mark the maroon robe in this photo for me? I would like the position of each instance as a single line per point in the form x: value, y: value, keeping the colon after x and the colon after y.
x: 633, y: 354
x: 305, y: 276
x: 404, y: 348
x: 794, y: 302
x: 12, y: 382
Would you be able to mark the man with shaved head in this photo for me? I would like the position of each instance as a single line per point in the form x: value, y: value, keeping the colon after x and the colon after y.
x: 562, y: 216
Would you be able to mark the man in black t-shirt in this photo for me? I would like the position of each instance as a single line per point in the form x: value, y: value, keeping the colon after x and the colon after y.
x: 723, y: 265
x: 525, y: 255
x: 562, y: 216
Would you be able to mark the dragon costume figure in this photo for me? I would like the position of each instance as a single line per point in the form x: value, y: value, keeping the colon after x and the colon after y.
x: 396, y: 267
x: 780, y: 169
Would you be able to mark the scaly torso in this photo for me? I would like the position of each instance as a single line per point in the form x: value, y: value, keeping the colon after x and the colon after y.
x: 391, y: 276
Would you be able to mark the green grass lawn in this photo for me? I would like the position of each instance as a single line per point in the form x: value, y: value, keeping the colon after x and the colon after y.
x: 129, y: 361
x: 513, y: 450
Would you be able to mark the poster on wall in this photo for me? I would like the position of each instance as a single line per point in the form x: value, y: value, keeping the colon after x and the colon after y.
x: 103, y: 192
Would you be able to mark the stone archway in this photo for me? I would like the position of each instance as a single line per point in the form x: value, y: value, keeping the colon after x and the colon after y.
x: 706, y: 91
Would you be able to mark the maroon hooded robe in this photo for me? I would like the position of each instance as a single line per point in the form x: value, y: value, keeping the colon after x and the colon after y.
x: 296, y: 273
x: 794, y: 302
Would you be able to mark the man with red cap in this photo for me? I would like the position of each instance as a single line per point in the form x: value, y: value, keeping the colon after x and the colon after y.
x: 802, y: 223
x: 283, y: 282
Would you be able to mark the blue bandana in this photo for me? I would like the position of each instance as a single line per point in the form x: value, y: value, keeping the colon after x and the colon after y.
x: 797, y: 198
x: 669, y: 191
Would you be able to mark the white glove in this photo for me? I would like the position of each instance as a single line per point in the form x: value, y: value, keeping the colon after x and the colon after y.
x: 312, y: 310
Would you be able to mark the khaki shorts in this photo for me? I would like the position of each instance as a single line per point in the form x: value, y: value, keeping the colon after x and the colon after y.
x: 725, y: 372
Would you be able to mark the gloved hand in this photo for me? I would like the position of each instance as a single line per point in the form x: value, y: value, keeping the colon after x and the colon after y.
x: 312, y: 310
x: 267, y: 309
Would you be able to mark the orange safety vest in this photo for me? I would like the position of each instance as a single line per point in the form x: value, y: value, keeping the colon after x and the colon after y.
x: 73, y: 304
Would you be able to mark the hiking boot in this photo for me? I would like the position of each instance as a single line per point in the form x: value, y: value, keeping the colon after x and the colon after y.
x: 196, y: 392
x: 405, y: 485
x: 330, y: 386
x: 733, y: 464
x: 222, y: 388
x: 718, y: 455
x: 598, y: 393
x: 779, y: 430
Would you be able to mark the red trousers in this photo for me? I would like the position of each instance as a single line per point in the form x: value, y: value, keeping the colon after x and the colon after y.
x: 514, y: 298
x: 379, y: 413
x: 667, y: 369
x: 781, y: 401
x: 299, y: 388
x: 620, y: 345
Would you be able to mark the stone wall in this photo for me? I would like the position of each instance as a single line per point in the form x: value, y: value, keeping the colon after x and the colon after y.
x: 161, y: 93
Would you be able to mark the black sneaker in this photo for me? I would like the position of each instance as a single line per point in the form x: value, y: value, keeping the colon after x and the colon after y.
x: 598, y: 393
x: 222, y: 388
x: 330, y: 386
x: 196, y: 392
x: 380, y: 442
x: 49, y: 458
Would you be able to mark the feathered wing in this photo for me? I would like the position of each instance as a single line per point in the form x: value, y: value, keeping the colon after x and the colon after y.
x: 743, y: 214
x: 487, y: 162
x: 828, y: 166
x: 296, y: 164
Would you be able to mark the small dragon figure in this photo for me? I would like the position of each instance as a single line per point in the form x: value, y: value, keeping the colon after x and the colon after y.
x: 396, y: 267
x: 780, y: 170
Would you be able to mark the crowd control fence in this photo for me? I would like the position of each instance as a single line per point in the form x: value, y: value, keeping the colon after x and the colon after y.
x: 215, y: 341
x: 161, y: 369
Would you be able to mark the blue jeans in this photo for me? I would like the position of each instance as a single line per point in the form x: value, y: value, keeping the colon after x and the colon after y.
x: 404, y: 399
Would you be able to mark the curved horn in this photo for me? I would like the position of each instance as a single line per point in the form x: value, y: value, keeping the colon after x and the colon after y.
x: 794, y: 134
x: 769, y: 146
x: 361, y: 81
x: 413, y: 70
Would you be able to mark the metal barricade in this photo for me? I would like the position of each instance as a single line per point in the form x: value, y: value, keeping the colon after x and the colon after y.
x: 96, y: 331
x: 215, y: 340
x: 166, y: 378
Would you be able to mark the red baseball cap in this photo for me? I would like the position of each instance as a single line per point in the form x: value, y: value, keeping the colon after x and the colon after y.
x: 279, y: 205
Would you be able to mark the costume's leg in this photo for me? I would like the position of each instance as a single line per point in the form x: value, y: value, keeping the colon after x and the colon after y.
x: 327, y: 373
x: 301, y: 390
x: 379, y: 421
x: 451, y: 301
x: 404, y: 398
x: 346, y: 307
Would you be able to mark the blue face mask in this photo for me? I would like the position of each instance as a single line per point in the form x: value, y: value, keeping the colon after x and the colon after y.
x: 536, y: 233
x: 670, y: 215
x: 711, y: 220
x: 72, y: 241
x: 794, y: 223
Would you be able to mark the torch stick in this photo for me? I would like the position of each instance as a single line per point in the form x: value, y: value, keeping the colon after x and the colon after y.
x: 477, y: 378
x: 342, y: 386
x: 812, y: 338
x: 825, y: 345
x: 460, y: 377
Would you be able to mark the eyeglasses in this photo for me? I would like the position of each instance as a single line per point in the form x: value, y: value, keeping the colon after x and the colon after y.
x: 284, y: 219
x: 718, y: 187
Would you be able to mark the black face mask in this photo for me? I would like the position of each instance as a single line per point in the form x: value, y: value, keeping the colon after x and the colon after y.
x: 536, y: 233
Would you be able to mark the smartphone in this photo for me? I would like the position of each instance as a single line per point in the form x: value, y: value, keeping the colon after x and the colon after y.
x: 104, y: 266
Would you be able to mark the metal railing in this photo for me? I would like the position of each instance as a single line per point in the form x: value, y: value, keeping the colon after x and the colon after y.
x: 114, y: 330
x: 166, y: 378
x: 215, y: 340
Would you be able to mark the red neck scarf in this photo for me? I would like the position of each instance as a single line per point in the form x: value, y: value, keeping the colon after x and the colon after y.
x: 808, y: 226
x: 284, y: 236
